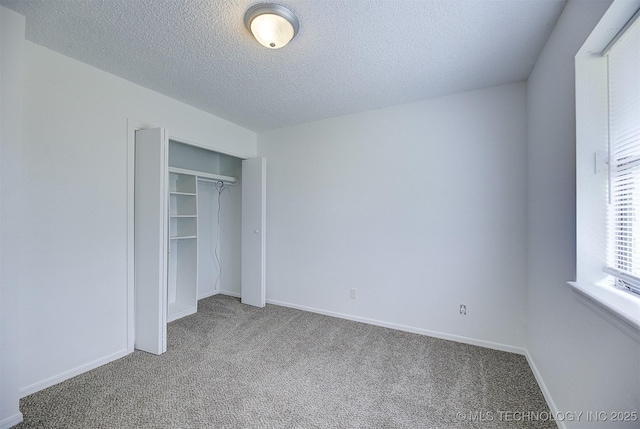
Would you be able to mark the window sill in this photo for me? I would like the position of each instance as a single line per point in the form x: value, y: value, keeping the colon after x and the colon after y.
x: 619, y: 307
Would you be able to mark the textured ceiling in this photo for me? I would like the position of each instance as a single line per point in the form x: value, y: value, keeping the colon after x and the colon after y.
x: 349, y: 55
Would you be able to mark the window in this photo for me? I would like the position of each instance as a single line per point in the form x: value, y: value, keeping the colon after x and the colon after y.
x: 623, y: 220
x: 608, y: 169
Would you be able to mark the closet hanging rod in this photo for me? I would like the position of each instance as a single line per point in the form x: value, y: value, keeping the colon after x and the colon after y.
x: 201, y: 175
x: 226, y: 182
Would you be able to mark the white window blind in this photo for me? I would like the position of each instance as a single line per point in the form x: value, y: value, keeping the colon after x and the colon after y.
x: 623, y: 59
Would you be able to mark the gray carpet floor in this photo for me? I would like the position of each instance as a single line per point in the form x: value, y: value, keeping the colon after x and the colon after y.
x: 236, y: 366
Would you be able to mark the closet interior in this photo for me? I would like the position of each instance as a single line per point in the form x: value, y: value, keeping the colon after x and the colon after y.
x: 204, y: 227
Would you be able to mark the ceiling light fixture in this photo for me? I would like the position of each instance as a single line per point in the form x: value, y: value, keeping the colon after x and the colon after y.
x: 272, y: 25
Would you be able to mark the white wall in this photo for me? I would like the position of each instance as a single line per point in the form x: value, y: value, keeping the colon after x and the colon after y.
x: 208, y: 267
x: 421, y: 207
x: 224, y: 278
x: 231, y: 229
x: 585, y: 363
x: 12, y: 27
x: 74, y: 295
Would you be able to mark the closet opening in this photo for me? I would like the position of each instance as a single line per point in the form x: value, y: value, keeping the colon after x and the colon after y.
x: 205, y: 213
x: 199, y: 230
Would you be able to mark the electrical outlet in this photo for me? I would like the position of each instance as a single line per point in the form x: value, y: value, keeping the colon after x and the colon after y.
x: 463, y: 309
x: 353, y: 294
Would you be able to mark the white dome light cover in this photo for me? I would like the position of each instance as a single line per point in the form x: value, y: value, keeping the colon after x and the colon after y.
x: 272, y: 25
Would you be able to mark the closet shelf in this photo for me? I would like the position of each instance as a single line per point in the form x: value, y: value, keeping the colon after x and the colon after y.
x: 203, y: 175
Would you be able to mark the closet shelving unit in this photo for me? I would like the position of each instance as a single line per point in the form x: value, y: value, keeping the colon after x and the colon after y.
x: 183, y: 235
x: 183, y: 207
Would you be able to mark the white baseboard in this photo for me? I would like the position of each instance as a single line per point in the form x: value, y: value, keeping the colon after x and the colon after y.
x: 220, y: 292
x: 11, y: 421
x: 441, y: 335
x: 207, y: 295
x: 229, y: 293
x: 545, y: 391
x: 35, y: 387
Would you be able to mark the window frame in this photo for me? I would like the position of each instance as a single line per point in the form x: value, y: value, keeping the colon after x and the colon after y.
x: 593, y: 287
